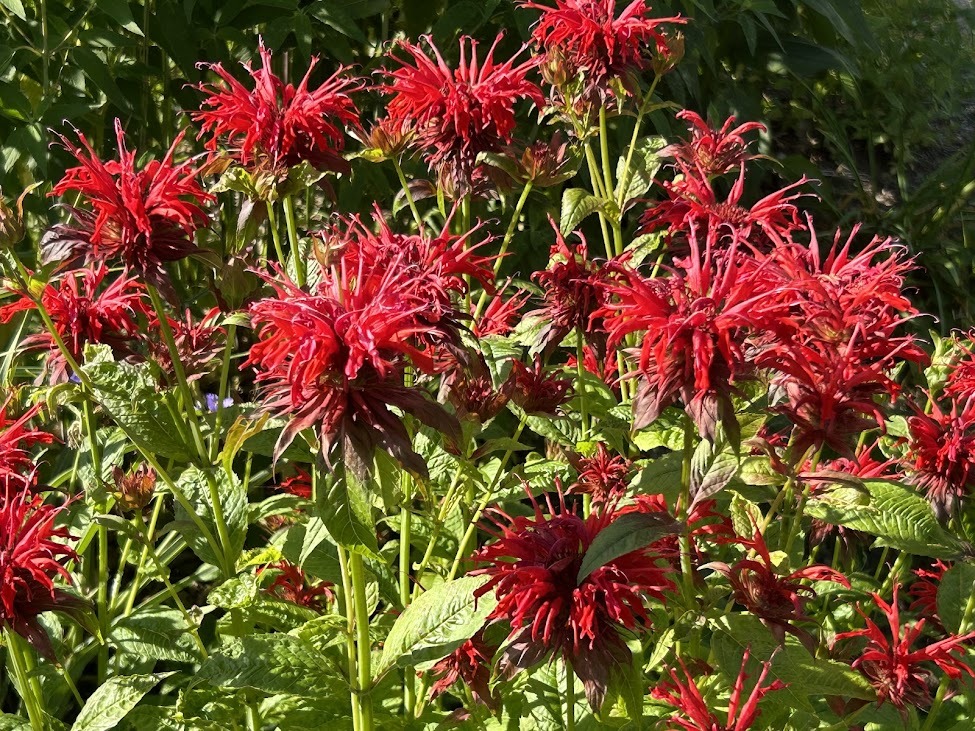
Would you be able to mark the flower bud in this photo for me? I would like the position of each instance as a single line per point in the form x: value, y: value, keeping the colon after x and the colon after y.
x: 669, y: 54
x: 134, y: 490
x: 12, y: 221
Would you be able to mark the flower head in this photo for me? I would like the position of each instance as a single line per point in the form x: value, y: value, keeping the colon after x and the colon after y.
x: 199, y: 343
x: 536, y: 391
x: 16, y: 437
x: 471, y: 665
x: 587, y: 43
x: 604, y: 476
x: 461, y: 112
x: 275, y: 125
x: 897, y: 671
x: 134, y: 489
x: 292, y: 585
x: 32, y: 556
x: 941, y: 453
x: 534, y: 568
x: 83, y: 312
x: 710, y: 152
x: 685, y: 695
x: 142, y: 217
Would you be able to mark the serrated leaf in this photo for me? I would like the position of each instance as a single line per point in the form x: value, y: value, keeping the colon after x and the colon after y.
x: 577, y: 205
x: 644, y: 165
x: 897, y: 516
x: 436, y: 623
x: 625, y: 534
x: 806, y: 677
x: 954, y: 592
x: 154, y: 634
x: 112, y: 700
x: 273, y: 663
x: 128, y: 393
x: 195, y: 486
x: 662, y: 475
x: 345, y: 508
x: 713, y: 466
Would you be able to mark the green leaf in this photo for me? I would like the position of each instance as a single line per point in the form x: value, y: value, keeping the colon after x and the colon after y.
x: 16, y: 7
x: 625, y: 534
x: 436, y: 623
x: 9, y: 722
x: 110, y: 703
x: 128, y: 393
x: 118, y: 10
x: 273, y: 663
x: 644, y: 165
x: 713, y: 466
x: 195, y: 485
x: 662, y: 475
x: 897, y: 516
x: 954, y: 593
x: 100, y: 74
x: 155, y: 634
x: 577, y: 204
x: 806, y: 677
x: 345, y: 508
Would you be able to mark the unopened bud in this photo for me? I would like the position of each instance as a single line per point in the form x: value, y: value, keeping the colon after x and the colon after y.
x: 12, y: 221
x: 669, y: 54
x: 134, y: 490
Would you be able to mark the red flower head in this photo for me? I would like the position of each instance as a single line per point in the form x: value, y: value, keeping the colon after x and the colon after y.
x: 457, y: 113
x: 32, y: 555
x: 292, y: 585
x: 587, y: 43
x: 941, y: 453
x: 16, y: 465
x: 335, y: 357
x: 144, y: 218
x: 471, y: 665
x: 468, y: 385
x: 500, y: 315
x: 573, y: 289
x: 711, y: 152
x: 692, y: 200
x: 925, y: 590
x: 82, y: 314
x: 299, y: 484
x: 604, y: 476
x: 604, y: 368
x: 537, y: 392
x: 695, y: 324
x: 199, y: 343
x: 777, y: 600
x: 893, y: 668
x: 534, y: 569
x: 685, y: 695
x: 960, y: 384
x: 276, y: 125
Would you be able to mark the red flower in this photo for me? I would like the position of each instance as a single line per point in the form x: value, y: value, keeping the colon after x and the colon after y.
x: 32, y: 555
x: 893, y: 668
x: 82, y: 314
x: 585, y: 41
x: 960, y: 384
x: 16, y: 465
x: 335, y: 358
x: 573, y: 289
x: 277, y: 125
x: 468, y: 385
x: 299, y: 484
x: 711, y: 152
x: 537, y: 392
x: 144, y: 218
x: 685, y: 695
x: 703, y: 522
x: 500, y: 315
x: 779, y: 601
x: 471, y: 665
x: 292, y: 585
x: 925, y: 590
x: 695, y: 324
x: 457, y: 113
x: 534, y: 567
x: 941, y: 453
x: 199, y: 344
x: 603, y: 476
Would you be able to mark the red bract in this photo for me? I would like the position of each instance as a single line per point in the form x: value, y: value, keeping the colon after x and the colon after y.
x: 692, y: 200
x: 32, y: 555
x: 276, y: 125
x: 573, y: 288
x: 457, y: 113
x: 471, y: 665
x: 925, y: 590
x: 604, y: 476
x: 143, y: 218
x: 779, y: 601
x: 292, y: 585
x: 534, y: 569
x: 893, y: 668
x: 501, y: 314
x: 16, y: 467
x: 538, y: 392
x: 468, y: 385
x: 941, y: 453
x: 334, y: 358
x: 83, y: 313
x: 695, y: 324
x: 685, y: 695
x: 709, y: 151
x: 585, y: 41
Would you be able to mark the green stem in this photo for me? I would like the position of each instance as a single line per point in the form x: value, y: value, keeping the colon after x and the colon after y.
x: 801, y: 507
x: 101, y: 597
x: 584, y: 421
x: 505, y: 243
x: 363, y: 644
x: 272, y: 224
x: 686, y: 566
x: 405, y: 538
x: 29, y: 686
x: 148, y: 538
x: 610, y: 194
x: 482, y: 505
x: 570, y: 698
x: 350, y: 645
x: 407, y: 192
x: 945, y: 679
x: 597, y: 189
x: 228, y: 350
x: 289, y: 219
x: 624, y: 181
